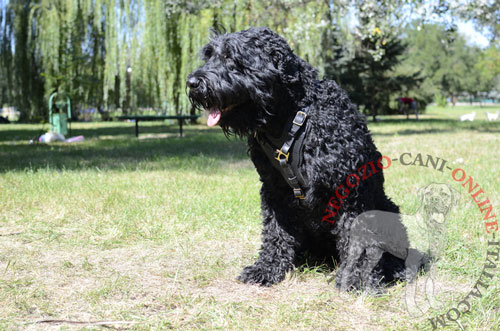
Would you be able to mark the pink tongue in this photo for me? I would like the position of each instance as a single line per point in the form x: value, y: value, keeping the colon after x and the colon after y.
x: 213, y: 117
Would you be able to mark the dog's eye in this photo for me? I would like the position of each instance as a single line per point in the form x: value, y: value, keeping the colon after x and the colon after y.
x: 207, y: 52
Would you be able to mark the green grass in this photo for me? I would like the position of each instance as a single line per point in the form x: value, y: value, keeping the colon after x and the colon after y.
x: 154, y: 230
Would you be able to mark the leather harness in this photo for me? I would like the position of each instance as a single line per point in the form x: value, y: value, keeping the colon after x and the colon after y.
x: 288, y: 158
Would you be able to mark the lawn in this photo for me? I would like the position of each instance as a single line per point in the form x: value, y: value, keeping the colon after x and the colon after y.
x: 152, y: 232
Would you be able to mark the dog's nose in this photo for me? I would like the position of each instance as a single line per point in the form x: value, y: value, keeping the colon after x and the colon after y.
x: 193, y: 82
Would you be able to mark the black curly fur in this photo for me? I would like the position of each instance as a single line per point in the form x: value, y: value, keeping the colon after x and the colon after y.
x: 256, y: 71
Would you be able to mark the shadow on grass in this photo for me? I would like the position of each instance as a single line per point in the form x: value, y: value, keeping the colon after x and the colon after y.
x: 200, y: 149
x: 432, y: 126
x: 20, y: 132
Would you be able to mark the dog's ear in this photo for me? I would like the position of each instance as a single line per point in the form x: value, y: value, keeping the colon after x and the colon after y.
x: 421, y: 193
x: 292, y: 69
x: 217, y: 30
x: 455, y: 196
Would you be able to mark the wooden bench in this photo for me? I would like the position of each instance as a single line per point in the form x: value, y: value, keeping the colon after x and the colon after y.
x: 138, y: 118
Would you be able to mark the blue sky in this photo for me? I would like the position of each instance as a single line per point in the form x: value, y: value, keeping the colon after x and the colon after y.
x: 472, y: 35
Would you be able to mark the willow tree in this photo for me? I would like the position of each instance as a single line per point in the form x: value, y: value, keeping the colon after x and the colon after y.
x: 85, y: 49
x: 171, y: 33
x: 68, y: 47
x: 6, y: 59
x: 300, y: 22
x: 136, y: 54
x: 58, y: 45
x: 170, y: 36
x: 20, y: 68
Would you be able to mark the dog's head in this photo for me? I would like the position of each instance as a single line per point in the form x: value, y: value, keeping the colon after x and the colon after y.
x: 247, y: 79
x: 437, y: 200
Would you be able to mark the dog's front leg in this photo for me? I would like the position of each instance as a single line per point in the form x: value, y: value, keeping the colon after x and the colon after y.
x: 279, y: 245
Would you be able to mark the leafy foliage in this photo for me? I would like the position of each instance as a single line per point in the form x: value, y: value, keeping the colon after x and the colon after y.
x: 448, y: 65
x: 135, y: 54
x: 372, y: 81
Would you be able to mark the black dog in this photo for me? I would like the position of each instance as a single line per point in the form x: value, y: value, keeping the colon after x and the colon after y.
x: 254, y: 86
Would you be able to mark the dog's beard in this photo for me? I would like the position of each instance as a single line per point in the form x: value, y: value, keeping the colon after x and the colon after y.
x: 238, y: 106
x: 235, y: 113
x: 218, y: 102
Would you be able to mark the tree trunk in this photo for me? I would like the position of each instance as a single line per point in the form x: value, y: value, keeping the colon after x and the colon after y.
x: 193, y: 112
x: 374, y: 112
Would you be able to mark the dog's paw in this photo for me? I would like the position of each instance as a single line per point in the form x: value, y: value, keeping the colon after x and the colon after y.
x: 258, y: 274
x: 350, y: 283
x: 347, y: 283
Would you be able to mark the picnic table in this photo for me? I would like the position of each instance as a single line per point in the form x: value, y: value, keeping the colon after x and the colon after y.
x: 138, y: 118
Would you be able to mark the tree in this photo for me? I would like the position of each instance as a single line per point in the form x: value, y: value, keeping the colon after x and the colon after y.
x: 6, y: 66
x: 372, y: 82
x: 487, y: 68
x: 130, y: 54
x: 443, y: 59
x: 21, y: 67
x: 485, y: 13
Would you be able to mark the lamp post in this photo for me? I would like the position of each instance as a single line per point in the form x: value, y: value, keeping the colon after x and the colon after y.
x: 127, y: 82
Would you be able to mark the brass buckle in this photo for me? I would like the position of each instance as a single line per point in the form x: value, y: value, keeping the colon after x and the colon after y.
x: 280, y: 153
x: 304, y: 115
x: 298, y: 193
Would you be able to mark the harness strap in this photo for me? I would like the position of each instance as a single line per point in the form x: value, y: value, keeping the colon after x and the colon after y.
x: 288, y: 158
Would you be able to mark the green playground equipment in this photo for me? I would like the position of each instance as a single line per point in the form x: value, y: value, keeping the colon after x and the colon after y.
x: 58, y: 118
